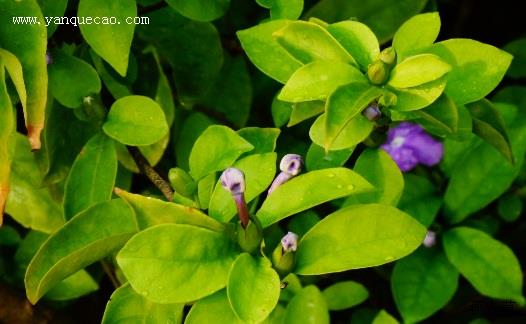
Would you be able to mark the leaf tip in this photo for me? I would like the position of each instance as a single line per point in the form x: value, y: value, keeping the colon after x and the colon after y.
x: 33, y: 135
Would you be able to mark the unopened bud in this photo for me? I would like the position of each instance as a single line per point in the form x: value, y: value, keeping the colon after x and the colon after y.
x: 290, y: 167
x: 283, y: 257
x: 289, y: 242
x: 372, y: 112
x: 388, y: 56
x: 249, y: 238
x: 430, y: 240
x: 377, y: 72
x: 49, y: 58
x: 233, y: 180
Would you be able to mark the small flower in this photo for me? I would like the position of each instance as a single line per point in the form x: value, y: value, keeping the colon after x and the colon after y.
x: 290, y: 167
x: 233, y: 180
x: 49, y: 58
x: 289, y: 242
x: 430, y: 239
x: 408, y: 145
x: 87, y: 100
x: 372, y: 112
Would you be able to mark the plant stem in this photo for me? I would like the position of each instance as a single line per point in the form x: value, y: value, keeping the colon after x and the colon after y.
x: 109, y: 272
x: 150, y: 172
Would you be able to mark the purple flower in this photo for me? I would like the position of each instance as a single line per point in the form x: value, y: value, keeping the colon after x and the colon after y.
x: 372, y: 112
x: 408, y: 145
x: 430, y: 240
x: 49, y: 58
x: 290, y: 166
x: 289, y: 242
x: 233, y: 180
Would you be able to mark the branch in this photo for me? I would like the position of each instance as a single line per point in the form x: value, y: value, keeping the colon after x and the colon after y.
x: 150, y: 172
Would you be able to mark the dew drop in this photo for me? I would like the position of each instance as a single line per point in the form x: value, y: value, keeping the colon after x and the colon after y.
x: 350, y: 187
x: 331, y: 175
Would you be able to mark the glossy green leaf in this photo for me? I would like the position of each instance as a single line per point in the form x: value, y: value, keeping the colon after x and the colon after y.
x: 344, y: 105
x: 307, y: 306
x: 489, y: 125
x: 265, y: 52
x: 136, y: 120
x: 417, y: 70
x: 29, y: 204
x: 345, y: 294
x: 150, y: 212
x: 420, y: 96
x: 420, y: 199
x: 115, y: 86
x: 216, y: 149
x: 441, y: 117
x: 416, y: 33
x: 259, y: 170
x: 384, y: 317
x: 253, y: 288
x: 477, y: 68
x: 194, y: 125
x: 205, y: 187
x: 358, y: 236
x: 79, y: 243
x: 281, y: 111
x: 199, y: 56
x: 126, y: 306
x: 517, y: 48
x: 182, y: 182
x: 382, y: 16
x: 302, y: 111
x: 160, y: 265
x: 301, y: 223
x: 92, y: 176
x: 111, y: 41
x: 488, y: 264
x: 55, y: 9
x: 423, y: 283
x: 356, y: 130
x: 72, y: 79
x: 15, y: 71
x: 313, y: 188
x: 77, y: 285
x: 358, y: 39
x: 308, y: 42
x: 7, y: 138
x: 317, y: 158
x: 509, y: 207
x: 473, y: 185
x: 377, y: 167
x: 318, y: 79
x: 231, y: 94
x: 263, y: 139
x: 201, y: 10
x: 283, y: 9
x: 213, y: 309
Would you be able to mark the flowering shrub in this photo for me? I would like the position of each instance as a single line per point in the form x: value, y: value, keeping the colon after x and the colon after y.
x: 136, y: 167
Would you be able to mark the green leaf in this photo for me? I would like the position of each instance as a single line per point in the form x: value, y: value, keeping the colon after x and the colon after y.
x: 216, y: 149
x: 213, y: 309
x: 136, y: 120
x: 420, y: 96
x: 302, y: 111
x: 72, y: 79
x: 489, y: 125
x: 308, y: 42
x: 345, y: 294
x: 382, y: 16
x: 79, y: 243
x: 318, y: 79
x: 312, y: 188
x: 160, y: 265
x: 253, y: 288
x: 377, y: 167
x: 318, y: 159
x: 420, y: 199
x: 356, y: 130
x: 263, y: 139
x: 55, y: 9
x: 200, y: 10
x: 15, y: 71
x: 489, y: 265
x: 259, y: 170
x: 477, y: 68
x: 77, y: 285
x: 281, y: 111
x: 205, y: 187
x: 358, y: 39
x: 92, y: 176
x: 150, y: 212
x: 384, y: 317
x: 473, y: 185
x: 417, y: 70
x: 199, y: 56
x: 441, y: 117
x: 283, y: 9
x: 193, y: 126
x: 518, y: 65
x: 307, y: 306
x: 423, y: 283
x: 113, y: 83
x: 344, y: 105
x: 126, y: 306
x: 379, y: 234
x: 111, y: 41
x: 28, y: 42
x: 27, y: 203
x: 265, y: 52
x: 509, y: 207
x: 416, y: 33
x: 7, y: 138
